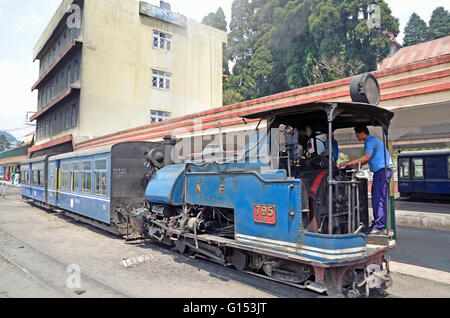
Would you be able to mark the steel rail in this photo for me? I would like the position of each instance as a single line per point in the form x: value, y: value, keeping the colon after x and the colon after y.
x: 83, y: 273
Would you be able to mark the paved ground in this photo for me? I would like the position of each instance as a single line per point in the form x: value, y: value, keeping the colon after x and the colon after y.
x: 45, y: 244
x: 423, y: 247
x: 422, y: 206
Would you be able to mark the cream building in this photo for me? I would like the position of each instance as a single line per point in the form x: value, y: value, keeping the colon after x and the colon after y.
x: 110, y: 65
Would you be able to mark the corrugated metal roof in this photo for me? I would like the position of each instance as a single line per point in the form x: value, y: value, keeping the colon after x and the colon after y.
x: 83, y: 153
x: 418, y: 52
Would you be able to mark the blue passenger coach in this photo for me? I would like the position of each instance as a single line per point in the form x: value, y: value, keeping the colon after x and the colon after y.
x: 95, y: 185
x: 34, y: 179
x: 424, y: 174
x: 80, y: 182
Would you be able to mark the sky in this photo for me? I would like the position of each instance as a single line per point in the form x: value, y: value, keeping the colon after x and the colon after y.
x: 23, y: 21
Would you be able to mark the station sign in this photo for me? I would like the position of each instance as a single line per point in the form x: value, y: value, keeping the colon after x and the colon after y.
x: 162, y: 14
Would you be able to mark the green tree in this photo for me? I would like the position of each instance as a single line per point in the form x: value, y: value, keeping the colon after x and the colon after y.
x: 439, y: 25
x: 4, y: 143
x: 277, y: 45
x: 416, y: 31
x: 216, y: 20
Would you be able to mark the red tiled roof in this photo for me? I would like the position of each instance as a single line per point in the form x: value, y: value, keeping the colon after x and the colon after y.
x: 418, y: 52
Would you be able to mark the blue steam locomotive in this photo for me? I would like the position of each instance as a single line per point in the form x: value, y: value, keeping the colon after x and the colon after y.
x: 281, y: 208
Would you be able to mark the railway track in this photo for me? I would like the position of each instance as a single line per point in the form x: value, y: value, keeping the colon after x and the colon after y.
x: 57, y: 277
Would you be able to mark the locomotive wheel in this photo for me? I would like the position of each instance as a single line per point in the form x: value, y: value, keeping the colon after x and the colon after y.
x: 239, y: 259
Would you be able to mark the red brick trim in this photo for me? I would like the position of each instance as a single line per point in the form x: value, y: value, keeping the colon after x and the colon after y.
x: 416, y: 91
x: 13, y: 160
x: 315, y: 88
x: 52, y: 143
x: 416, y: 79
x: 161, y: 135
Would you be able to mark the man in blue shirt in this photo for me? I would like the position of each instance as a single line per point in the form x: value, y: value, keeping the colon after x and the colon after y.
x: 374, y: 151
x: 335, y: 153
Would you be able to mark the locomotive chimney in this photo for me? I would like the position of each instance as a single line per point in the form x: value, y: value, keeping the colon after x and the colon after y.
x: 169, y: 146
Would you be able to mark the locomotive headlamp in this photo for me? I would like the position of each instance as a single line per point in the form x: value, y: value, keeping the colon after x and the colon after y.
x: 364, y: 88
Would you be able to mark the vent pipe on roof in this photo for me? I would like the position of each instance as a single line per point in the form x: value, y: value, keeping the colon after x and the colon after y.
x: 164, y: 5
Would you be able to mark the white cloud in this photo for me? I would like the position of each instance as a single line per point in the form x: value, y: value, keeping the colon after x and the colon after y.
x: 16, y: 80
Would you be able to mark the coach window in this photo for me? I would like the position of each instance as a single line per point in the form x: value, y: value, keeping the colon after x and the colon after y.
x: 86, y: 176
x: 448, y: 166
x: 404, y: 168
x: 65, y: 176
x: 417, y: 168
x: 75, y: 176
x: 51, y: 183
x: 41, y: 177
x: 35, y: 176
x: 25, y: 176
x: 100, y: 177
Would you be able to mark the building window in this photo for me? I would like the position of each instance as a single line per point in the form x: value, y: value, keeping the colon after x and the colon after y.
x: 74, y: 115
x: 74, y: 176
x: 162, y: 40
x: 65, y: 176
x: 50, y: 59
x: 47, y: 128
x: 50, y: 124
x: 86, y: 176
x: 67, y: 121
x: 55, y: 124
x: 157, y: 116
x: 100, y: 177
x: 161, y: 80
x: 61, y: 122
x: 69, y: 74
x: 75, y: 70
x: 48, y: 95
x: 417, y: 168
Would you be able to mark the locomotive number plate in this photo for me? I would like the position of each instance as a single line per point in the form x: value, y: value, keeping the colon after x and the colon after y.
x: 265, y: 213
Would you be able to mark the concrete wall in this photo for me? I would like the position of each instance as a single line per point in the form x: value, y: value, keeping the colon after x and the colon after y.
x: 117, y: 62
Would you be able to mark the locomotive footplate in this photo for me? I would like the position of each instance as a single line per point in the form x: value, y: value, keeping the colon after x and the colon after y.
x: 380, y: 239
x: 224, y: 242
x: 339, y: 272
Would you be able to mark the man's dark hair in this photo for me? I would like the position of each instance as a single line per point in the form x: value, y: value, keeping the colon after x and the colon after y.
x: 362, y: 128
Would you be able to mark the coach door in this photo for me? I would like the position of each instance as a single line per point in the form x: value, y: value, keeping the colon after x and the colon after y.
x: 53, y: 182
